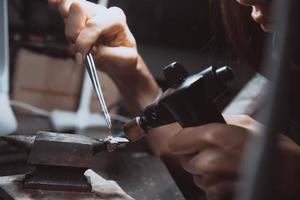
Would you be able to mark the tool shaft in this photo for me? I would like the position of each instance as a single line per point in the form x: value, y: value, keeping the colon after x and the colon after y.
x: 91, y: 68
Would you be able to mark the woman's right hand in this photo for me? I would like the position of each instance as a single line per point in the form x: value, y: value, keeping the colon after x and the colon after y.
x: 104, y: 32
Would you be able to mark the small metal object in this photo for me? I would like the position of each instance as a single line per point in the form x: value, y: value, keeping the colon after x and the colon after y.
x: 113, y: 142
x: 91, y: 68
x: 133, y: 130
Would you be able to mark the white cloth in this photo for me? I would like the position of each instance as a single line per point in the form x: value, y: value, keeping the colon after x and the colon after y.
x: 249, y: 99
x: 106, y: 189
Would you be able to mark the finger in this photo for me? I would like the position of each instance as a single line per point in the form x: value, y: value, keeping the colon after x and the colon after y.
x: 215, y: 187
x: 118, y: 55
x: 188, y: 141
x: 53, y: 2
x: 212, y: 162
x: 223, y: 190
x: 64, y: 6
x: 96, y: 27
x: 120, y: 29
x: 204, y: 182
x: 79, y: 13
x: 224, y: 136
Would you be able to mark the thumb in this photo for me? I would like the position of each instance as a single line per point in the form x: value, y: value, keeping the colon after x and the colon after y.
x: 119, y: 55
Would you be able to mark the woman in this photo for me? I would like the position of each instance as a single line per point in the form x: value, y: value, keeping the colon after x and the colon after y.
x: 212, y: 157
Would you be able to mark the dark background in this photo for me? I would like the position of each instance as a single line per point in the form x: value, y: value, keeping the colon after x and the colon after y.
x: 165, y: 24
x: 190, y: 32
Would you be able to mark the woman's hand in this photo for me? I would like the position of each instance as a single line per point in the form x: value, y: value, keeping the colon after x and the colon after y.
x: 104, y: 32
x: 212, y: 154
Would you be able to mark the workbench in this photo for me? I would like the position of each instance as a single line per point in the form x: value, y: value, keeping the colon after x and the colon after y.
x: 140, y: 174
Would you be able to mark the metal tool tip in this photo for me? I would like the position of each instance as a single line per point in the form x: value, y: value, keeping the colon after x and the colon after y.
x: 133, y: 130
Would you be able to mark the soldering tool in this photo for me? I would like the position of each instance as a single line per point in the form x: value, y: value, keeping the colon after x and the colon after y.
x: 189, y: 100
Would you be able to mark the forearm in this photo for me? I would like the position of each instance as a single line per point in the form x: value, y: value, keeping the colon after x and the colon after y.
x: 138, y: 88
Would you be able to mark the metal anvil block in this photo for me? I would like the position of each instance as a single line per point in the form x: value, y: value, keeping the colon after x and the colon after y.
x: 61, y: 159
x: 55, y: 149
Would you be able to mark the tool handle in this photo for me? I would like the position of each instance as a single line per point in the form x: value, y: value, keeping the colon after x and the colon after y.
x: 190, y: 112
x: 200, y: 116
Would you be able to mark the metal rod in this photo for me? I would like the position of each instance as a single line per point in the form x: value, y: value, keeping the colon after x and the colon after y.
x: 91, y: 68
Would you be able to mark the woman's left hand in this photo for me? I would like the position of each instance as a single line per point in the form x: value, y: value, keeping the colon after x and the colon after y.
x: 212, y: 153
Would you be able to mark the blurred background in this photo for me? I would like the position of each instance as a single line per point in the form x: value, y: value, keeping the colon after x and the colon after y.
x: 190, y: 32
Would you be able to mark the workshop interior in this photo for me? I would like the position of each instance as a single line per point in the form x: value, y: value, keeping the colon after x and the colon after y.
x: 67, y: 133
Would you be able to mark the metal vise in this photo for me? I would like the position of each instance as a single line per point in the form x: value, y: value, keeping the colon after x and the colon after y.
x: 60, y: 159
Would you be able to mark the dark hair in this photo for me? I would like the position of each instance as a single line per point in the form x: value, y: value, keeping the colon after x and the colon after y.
x: 245, y: 36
